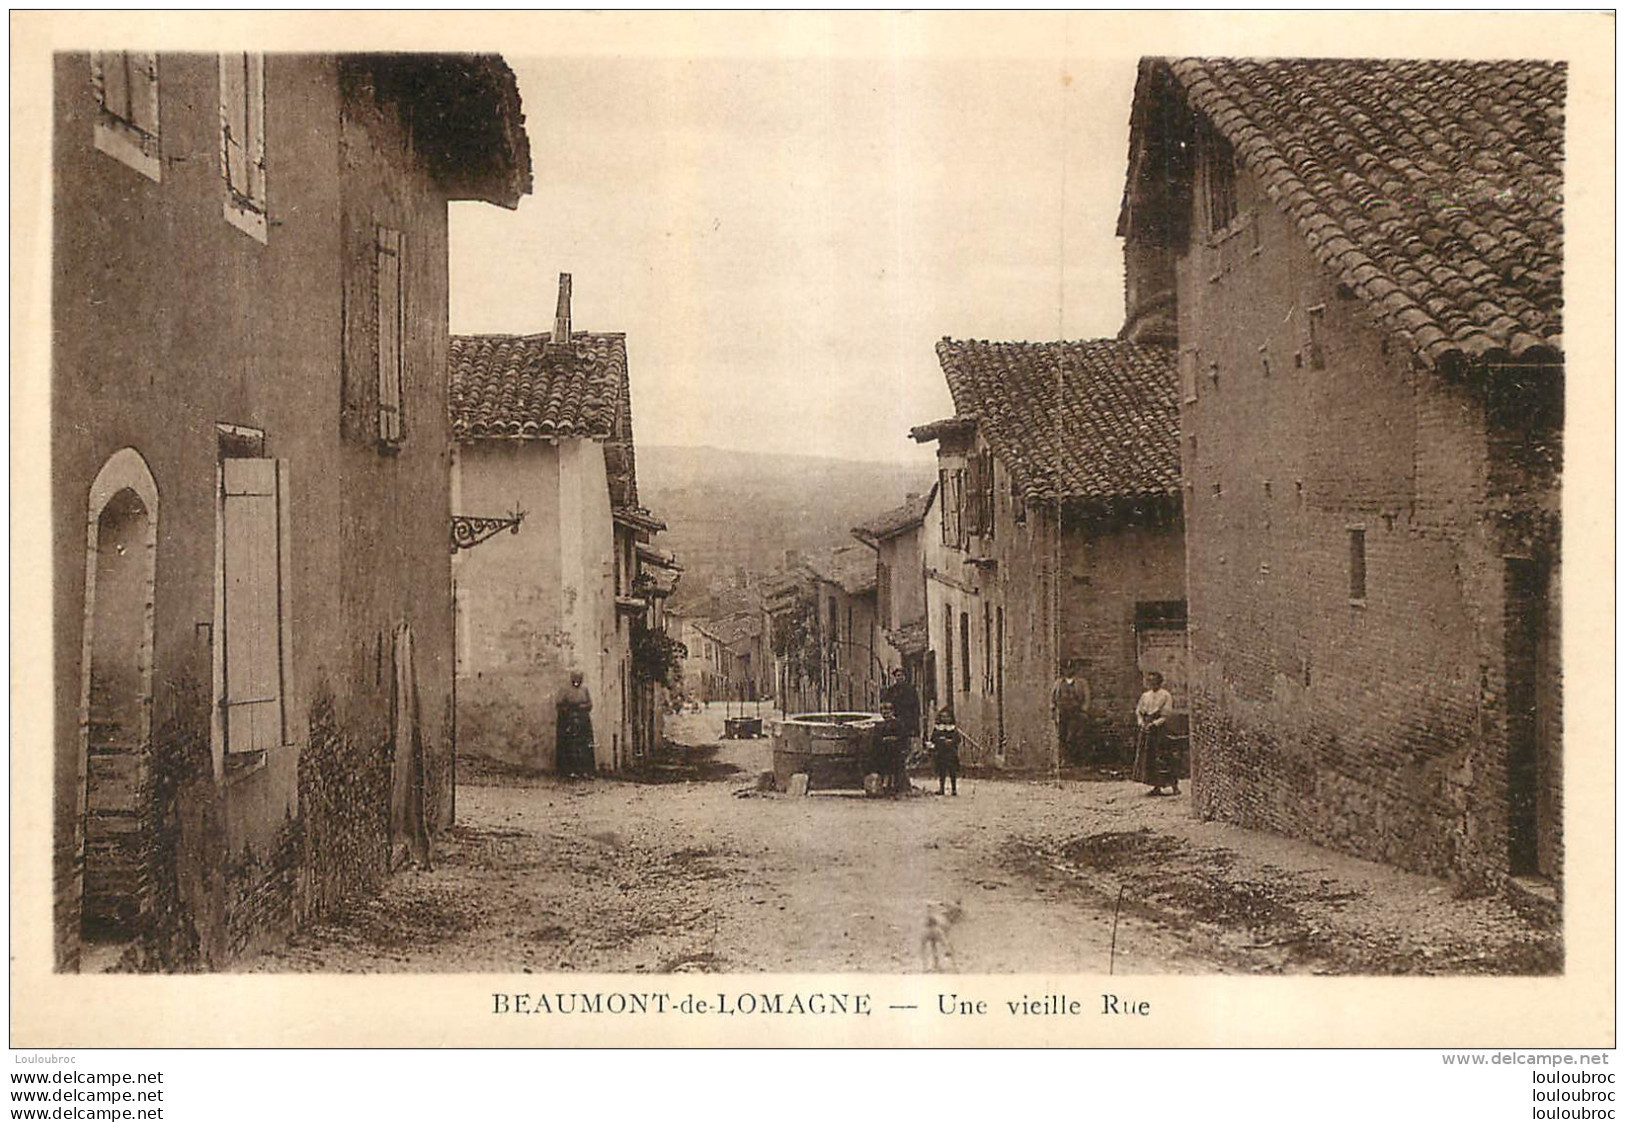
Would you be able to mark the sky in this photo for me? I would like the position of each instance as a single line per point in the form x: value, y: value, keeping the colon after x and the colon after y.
x: 783, y: 241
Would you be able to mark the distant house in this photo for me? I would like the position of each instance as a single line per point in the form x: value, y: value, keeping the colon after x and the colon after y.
x: 1363, y: 264
x: 543, y: 428
x: 823, y: 632
x: 729, y: 656
x: 252, y: 594
x: 843, y: 585
x: 900, y: 607
x: 1055, y: 534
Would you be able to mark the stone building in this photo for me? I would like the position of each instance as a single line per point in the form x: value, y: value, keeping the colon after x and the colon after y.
x: 822, y: 632
x: 900, y: 590
x: 543, y: 427
x: 725, y: 655
x: 252, y: 593
x: 1362, y: 264
x: 1055, y: 534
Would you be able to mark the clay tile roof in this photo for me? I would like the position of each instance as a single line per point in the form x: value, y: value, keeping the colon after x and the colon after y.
x: 517, y: 387
x: 910, y: 639
x: 1432, y: 189
x: 897, y: 519
x: 948, y: 426
x: 1096, y: 420
x: 851, y: 567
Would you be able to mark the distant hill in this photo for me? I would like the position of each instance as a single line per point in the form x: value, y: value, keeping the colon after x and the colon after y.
x: 730, y: 512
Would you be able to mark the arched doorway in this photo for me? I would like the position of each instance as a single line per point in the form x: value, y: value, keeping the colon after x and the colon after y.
x: 115, y: 821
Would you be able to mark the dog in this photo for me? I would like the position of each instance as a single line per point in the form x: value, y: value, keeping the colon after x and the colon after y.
x: 936, y: 950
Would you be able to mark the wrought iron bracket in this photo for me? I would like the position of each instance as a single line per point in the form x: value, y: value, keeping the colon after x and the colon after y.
x: 468, y: 531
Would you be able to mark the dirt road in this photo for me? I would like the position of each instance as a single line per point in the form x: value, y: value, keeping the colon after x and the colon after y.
x: 686, y: 868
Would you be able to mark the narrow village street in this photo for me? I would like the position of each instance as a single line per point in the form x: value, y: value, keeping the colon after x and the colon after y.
x: 686, y: 867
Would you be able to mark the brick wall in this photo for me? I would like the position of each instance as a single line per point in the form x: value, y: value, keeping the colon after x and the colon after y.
x: 1111, y: 564
x: 1370, y: 722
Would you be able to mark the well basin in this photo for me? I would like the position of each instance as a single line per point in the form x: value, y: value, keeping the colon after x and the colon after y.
x: 833, y: 750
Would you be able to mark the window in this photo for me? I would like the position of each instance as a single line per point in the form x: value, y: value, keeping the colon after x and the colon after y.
x: 964, y: 652
x: 987, y: 649
x: 254, y: 629
x: 998, y: 679
x: 1316, y: 354
x: 1190, y: 361
x: 952, y: 488
x: 242, y: 141
x: 948, y: 652
x: 834, y: 636
x: 1357, y: 563
x: 125, y: 84
x: 883, y: 597
x: 390, y: 304
x: 1219, y: 173
x: 978, y: 496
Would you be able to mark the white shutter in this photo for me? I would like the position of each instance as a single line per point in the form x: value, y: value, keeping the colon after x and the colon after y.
x: 254, y: 128
x: 143, y: 93
x: 390, y: 245
x: 113, y: 67
x: 234, y: 122
x: 253, y: 623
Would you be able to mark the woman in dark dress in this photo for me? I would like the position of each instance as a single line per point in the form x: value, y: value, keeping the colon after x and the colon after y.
x: 1155, y: 762
x: 574, y: 732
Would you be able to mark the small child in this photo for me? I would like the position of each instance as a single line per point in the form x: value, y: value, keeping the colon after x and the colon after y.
x: 945, y: 750
x: 888, y: 747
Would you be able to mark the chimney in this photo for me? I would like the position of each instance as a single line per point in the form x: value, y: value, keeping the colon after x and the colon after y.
x: 792, y: 558
x: 911, y: 497
x: 561, y: 318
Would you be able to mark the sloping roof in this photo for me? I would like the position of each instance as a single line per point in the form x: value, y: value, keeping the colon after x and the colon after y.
x: 655, y: 556
x: 465, y: 115
x: 910, y: 639
x: 1432, y: 189
x: 898, y: 519
x: 658, y: 582
x: 849, y: 567
x: 1096, y: 420
x: 734, y: 632
x: 947, y: 426
x: 519, y: 387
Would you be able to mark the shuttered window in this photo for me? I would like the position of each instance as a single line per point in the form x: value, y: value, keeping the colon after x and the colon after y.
x: 242, y: 141
x: 391, y: 307
x: 952, y: 491
x: 255, y: 618
x: 978, y: 496
x: 125, y: 84
x: 1219, y: 174
x: 987, y: 648
x: 964, y: 652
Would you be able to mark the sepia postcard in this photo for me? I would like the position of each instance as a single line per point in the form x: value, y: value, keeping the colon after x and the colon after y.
x: 892, y: 529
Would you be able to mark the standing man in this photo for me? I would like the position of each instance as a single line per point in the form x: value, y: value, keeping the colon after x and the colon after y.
x: 905, y: 704
x: 1069, y: 702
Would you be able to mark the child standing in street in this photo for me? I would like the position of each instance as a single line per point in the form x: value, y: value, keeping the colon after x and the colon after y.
x: 945, y: 750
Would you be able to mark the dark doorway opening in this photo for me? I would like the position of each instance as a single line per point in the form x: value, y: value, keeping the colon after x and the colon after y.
x: 1525, y: 619
x: 117, y: 807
